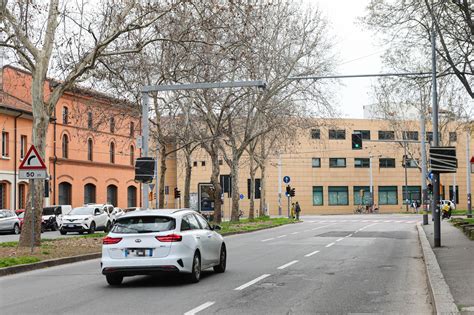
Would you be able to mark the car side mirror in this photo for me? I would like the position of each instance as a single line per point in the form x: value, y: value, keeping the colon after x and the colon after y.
x: 216, y: 227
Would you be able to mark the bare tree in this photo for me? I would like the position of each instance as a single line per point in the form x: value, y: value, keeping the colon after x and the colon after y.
x: 406, y: 26
x: 67, y: 40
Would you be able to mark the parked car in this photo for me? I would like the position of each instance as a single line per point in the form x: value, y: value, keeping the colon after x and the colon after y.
x: 9, y: 221
x: 21, y: 217
x: 59, y: 212
x: 49, y: 219
x: 451, y: 204
x: 85, y: 219
x: 18, y: 211
x: 115, y: 214
x: 126, y: 210
x: 149, y: 241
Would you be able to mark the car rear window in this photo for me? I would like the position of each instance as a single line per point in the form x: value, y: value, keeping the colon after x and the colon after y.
x: 144, y: 224
x: 49, y: 211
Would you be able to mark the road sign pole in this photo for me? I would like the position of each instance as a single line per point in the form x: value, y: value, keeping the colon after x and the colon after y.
x: 288, y: 206
x: 468, y: 175
x: 424, y: 192
x: 279, y: 184
x: 32, y: 215
x: 145, y: 132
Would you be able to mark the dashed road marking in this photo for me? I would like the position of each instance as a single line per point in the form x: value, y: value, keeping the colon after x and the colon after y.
x: 330, y: 244
x: 349, y: 235
x: 281, y: 236
x: 268, y: 239
x: 295, y: 233
x: 288, y: 264
x: 338, y: 240
x: 312, y: 253
x: 248, y: 284
x: 199, y: 308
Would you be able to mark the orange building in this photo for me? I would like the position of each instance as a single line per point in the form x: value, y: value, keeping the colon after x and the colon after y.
x: 90, y: 148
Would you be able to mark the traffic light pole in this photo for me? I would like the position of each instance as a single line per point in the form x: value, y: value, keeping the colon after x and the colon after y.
x: 436, y: 212
x: 145, y: 134
x: 468, y: 175
x: 424, y: 191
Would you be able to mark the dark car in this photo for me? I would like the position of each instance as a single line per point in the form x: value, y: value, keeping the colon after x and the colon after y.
x: 49, y: 219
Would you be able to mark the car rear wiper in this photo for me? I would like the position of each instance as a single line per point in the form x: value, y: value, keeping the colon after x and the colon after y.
x: 146, y: 231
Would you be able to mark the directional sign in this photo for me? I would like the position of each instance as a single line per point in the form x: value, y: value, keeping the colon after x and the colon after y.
x: 443, y: 159
x: 32, y: 166
x: 286, y: 179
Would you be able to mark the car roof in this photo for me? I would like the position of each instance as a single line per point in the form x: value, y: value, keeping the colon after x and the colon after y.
x: 153, y: 212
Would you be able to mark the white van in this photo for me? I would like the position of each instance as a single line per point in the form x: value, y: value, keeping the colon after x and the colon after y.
x: 59, y: 212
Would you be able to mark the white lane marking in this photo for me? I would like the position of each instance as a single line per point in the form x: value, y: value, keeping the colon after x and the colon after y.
x: 295, y: 233
x: 248, y: 284
x: 387, y: 221
x: 288, y: 264
x: 281, y: 236
x: 356, y: 231
x: 320, y: 227
x: 330, y: 244
x: 338, y: 240
x: 199, y: 308
x: 268, y: 239
x: 349, y: 235
x: 312, y: 253
x: 398, y: 221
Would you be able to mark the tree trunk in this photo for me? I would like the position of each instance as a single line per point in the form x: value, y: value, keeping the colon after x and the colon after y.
x: 187, y: 179
x: 252, y: 189
x: 262, y: 190
x: 40, y: 130
x: 215, y: 180
x: 234, y: 171
x: 161, y: 188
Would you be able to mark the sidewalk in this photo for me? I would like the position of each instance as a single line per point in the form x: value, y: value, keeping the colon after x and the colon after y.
x: 456, y: 260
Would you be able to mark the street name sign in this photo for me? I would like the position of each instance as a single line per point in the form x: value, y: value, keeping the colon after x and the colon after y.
x: 443, y: 159
x: 32, y: 166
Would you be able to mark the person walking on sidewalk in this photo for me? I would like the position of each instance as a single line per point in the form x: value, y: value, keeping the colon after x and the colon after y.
x: 297, y: 210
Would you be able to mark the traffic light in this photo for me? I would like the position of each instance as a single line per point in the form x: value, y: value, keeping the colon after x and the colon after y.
x: 177, y: 193
x: 356, y: 141
x: 144, y: 169
x: 404, y: 161
x: 292, y: 192
x: 430, y: 188
x: 288, y: 190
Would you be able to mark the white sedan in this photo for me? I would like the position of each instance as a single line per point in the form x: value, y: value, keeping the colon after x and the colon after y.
x: 154, y: 241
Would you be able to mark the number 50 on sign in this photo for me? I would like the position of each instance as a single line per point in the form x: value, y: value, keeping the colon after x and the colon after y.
x: 32, y: 174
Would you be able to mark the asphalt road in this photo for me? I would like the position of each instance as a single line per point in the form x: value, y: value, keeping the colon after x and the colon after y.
x: 327, y: 264
x: 4, y: 237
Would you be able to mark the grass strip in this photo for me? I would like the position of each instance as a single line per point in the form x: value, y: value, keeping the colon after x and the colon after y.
x: 13, y: 261
x: 247, y: 225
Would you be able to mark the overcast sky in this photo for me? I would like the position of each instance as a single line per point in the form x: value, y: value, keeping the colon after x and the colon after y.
x: 358, y: 50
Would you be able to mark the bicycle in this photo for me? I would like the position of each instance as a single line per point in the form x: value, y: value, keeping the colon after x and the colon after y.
x: 359, y: 210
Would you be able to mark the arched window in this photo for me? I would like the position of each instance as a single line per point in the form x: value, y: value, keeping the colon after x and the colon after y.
x: 132, y: 155
x: 89, y: 193
x: 112, y: 195
x: 65, y: 146
x: 131, y: 196
x: 65, y: 193
x: 90, y: 152
x: 4, y: 192
x: 112, y: 152
x: 65, y: 115
x: 21, y: 196
x: 112, y: 124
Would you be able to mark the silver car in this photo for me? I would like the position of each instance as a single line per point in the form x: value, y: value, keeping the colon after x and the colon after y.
x: 9, y: 222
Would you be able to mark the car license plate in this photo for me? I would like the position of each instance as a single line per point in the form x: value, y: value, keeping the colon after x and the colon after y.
x: 139, y: 252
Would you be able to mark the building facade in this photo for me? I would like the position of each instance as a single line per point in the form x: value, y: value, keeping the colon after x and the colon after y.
x: 330, y: 177
x: 90, y: 147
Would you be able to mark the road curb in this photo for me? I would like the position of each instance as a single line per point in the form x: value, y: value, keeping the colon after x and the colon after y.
x: 443, y: 301
x: 47, y: 263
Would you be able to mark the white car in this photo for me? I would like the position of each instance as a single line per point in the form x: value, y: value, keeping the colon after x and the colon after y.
x: 115, y: 214
x: 85, y: 219
x: 153, y: 241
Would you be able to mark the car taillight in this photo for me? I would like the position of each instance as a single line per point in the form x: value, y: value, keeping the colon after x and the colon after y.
x: 170, y: 238
x: 111, y: 240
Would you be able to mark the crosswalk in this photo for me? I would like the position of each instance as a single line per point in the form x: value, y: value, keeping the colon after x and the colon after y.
x: 365, y: 221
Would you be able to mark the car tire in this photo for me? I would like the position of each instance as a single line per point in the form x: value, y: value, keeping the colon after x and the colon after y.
x: 114, y: 279
x: 92, y: 228
x: 16, y: 229
x: 195, y: 275
x: 220, y: 268
x: 62, y: 232
x: 107, y: 227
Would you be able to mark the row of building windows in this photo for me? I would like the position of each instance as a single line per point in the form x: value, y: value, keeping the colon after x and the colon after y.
x: 90, y: 150
x: 387, y: 195
x: 362, y: 162
x: 65, y: 194
x: 90, y: 123
x: 340, y: 134
x: 6, y: 145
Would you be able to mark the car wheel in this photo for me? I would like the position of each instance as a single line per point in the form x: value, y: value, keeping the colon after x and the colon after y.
x: 222, y: 260
x: 107, y: 227
x: 16, y: 229
x: 92, y: 228
x: 196, y: 269
x: 114, y: 279
x: 62, y: 232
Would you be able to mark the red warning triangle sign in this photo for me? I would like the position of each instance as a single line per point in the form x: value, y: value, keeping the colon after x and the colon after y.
x: 32, y: 160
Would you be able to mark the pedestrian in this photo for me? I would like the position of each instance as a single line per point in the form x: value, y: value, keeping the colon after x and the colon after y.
x: 292, y: 213
x: 297, y: 210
